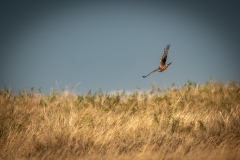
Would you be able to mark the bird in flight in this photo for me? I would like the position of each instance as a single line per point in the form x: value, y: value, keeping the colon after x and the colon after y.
x: 163, y: 64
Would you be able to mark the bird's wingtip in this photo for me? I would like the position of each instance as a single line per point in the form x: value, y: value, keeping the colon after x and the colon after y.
x: 168, y: 46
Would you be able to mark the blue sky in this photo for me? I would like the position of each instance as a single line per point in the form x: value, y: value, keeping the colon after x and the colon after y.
x: 112, y: 44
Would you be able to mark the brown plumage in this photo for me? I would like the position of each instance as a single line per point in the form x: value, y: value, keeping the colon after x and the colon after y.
x: 163, y: 64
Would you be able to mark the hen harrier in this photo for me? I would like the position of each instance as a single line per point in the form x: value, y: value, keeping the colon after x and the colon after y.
x: 163, y: 64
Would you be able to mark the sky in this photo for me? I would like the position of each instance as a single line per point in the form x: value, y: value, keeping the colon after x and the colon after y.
x: 88, y: 45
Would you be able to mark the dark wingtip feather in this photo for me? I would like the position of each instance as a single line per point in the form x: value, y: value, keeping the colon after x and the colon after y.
x: 168, y: 46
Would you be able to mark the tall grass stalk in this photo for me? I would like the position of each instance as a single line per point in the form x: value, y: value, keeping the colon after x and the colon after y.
x: 191, y: 122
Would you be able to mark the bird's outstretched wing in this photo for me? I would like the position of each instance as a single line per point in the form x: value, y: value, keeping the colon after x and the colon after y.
x: 164, y: 56
x: 150, y: 73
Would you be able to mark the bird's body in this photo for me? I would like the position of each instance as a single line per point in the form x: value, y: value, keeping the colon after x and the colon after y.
x: 163, y: 64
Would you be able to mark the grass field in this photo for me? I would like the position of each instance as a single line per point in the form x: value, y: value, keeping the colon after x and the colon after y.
x: 191, y: 122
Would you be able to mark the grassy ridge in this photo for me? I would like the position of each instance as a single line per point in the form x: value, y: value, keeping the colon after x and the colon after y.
x: 192, y: 122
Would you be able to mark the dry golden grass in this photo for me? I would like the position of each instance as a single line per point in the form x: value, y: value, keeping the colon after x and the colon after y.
x: 193, y: 122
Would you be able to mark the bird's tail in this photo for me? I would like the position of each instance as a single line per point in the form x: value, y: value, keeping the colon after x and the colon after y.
x: 169, y: 63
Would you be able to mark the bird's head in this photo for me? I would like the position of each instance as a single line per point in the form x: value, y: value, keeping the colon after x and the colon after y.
x: 169, y: 64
